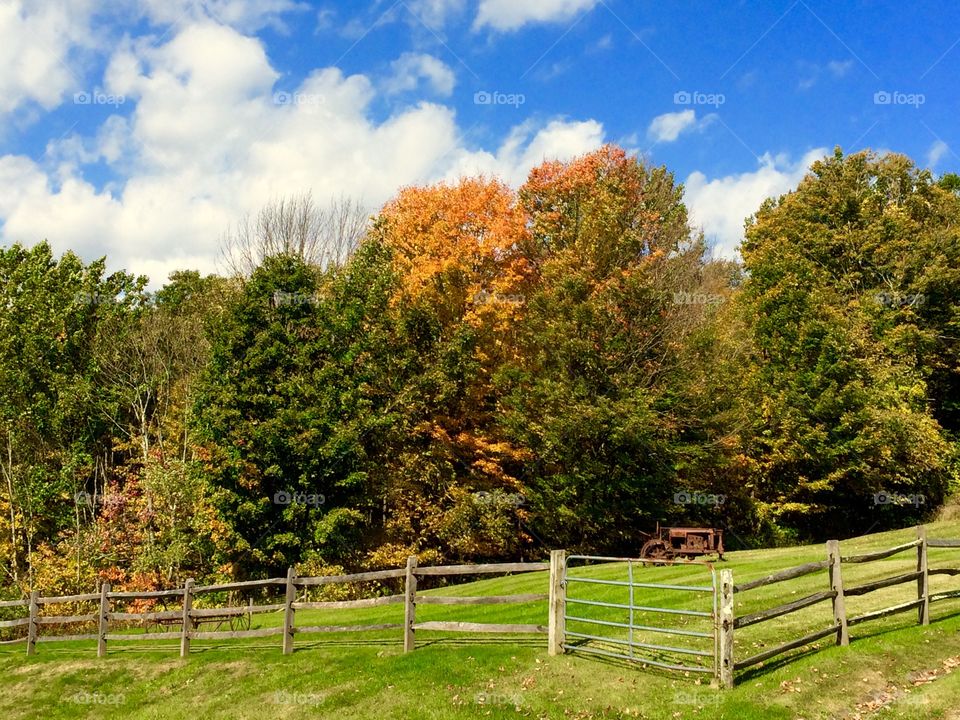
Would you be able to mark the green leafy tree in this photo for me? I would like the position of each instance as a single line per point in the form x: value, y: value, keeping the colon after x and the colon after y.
x: 50, y: 432
x: 851, y: 300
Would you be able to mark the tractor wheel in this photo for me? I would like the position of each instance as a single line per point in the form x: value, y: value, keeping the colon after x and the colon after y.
x: 655, y: 550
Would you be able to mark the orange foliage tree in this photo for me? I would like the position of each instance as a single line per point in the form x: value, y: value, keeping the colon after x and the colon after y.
x: 459, y: 253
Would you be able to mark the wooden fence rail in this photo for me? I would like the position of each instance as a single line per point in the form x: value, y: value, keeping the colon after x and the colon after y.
x: 185, y: 622
x: 788, y: 574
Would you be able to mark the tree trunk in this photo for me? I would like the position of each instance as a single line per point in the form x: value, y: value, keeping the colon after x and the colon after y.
x: 8, y: 475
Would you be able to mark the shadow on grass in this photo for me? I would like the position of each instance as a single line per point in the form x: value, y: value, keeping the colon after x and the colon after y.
x: 793, y: 655
x: 635, y: 664
x: 172, y: 647
x: 639, y: 666
x: 773, y: 664
x: 533, y: 642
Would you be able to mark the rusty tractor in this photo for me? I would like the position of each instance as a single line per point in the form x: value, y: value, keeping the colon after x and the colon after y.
x: 673, y: 543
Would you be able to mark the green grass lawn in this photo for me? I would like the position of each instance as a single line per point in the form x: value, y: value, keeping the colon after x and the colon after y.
x: 893, y: 668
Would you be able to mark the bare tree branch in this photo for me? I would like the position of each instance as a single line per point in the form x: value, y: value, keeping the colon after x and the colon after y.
x: 296, y: 225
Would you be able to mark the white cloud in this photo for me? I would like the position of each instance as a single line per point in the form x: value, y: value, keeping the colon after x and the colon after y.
x: 410, y: 68
x: 669, y: 126
x: 721, y: 205
x: 37, y: 44
x: 198, y: 97
x: 21, y: 179
x: 245, y: 15
x: 35, y: 212
x: 508, y: 15
x: 208, y: 139
x: 936, y: 152
x: 435, y: 13
x: 527, y: 146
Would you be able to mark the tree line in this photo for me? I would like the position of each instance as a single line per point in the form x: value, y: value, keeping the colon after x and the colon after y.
x: 478, y: 372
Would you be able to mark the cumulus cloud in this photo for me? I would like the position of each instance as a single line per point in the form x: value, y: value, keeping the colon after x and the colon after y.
x: 721, y: 205
x: 527, y: 146
x: 34, y: 211
x: 509, y: 15
x: 669, y: 126
x: 207, y: 137
x: 37, y: 43
x: 410, y: 68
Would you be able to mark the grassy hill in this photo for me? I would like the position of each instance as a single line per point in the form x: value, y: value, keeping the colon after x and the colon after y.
x: 893, y: 668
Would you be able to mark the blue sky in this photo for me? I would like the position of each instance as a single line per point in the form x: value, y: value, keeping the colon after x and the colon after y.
x: 142, y: 129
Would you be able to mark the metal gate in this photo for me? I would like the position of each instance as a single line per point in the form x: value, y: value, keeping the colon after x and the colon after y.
x: 625, y: 632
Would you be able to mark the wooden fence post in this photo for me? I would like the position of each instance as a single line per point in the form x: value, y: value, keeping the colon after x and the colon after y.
x: 556, y: 625
x: 725, y: 628
x: 288, y: 612
x: 104, y: 619
x: 187, y: 624
x: 836, y: 585
x: 923, y: 582
x: 32, y: 626
x: 410, y: 604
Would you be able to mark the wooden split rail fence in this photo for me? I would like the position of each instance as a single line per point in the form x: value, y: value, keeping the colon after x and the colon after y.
x: 189, y: 618
x: 726, y: 622
x: 836, y: 594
